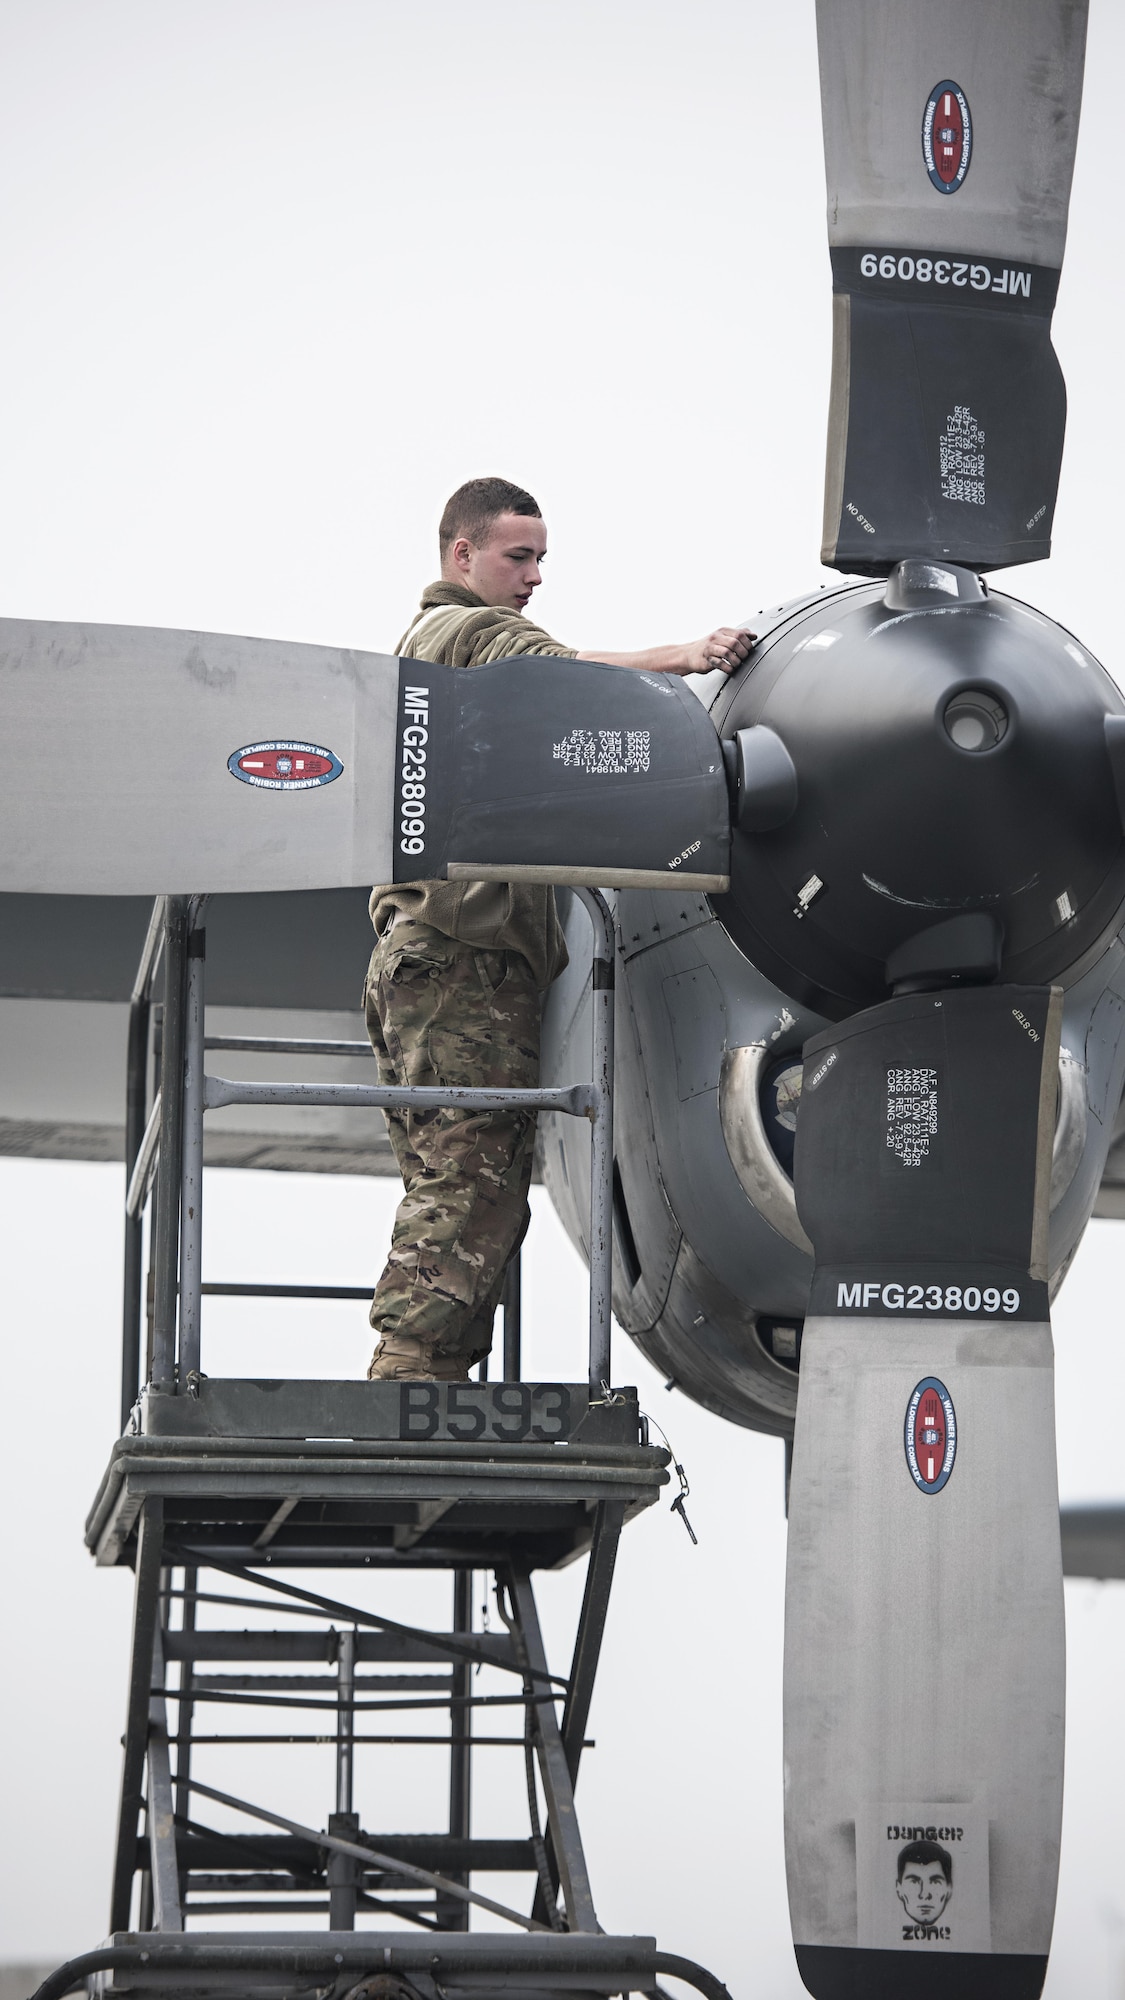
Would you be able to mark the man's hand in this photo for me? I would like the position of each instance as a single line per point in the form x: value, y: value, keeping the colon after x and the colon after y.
x: 726, y: 647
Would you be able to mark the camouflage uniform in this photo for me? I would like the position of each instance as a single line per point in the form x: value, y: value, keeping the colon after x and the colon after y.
x: 453, y: 996
x: 439, y: 1011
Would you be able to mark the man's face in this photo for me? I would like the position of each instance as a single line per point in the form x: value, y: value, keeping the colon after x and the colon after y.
x: 923, y: 1891
x: 506, y: 570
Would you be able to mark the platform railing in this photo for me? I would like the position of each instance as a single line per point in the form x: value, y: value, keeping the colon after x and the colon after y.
x: 136, y: 1116
x: 164, y: 1155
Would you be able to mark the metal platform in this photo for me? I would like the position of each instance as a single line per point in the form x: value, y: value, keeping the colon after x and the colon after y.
x: 341, y: 1499
x: 223, y: 1494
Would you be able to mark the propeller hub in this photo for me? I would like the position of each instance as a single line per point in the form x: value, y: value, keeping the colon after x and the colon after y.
x: 950, y: 757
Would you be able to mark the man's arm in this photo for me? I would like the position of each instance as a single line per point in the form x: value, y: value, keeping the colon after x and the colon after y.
x: 726, y: 647
x: 494, y: 632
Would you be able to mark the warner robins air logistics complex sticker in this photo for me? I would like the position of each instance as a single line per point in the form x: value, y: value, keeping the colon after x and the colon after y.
x: 922, y: 1877
x: 930, y: 1435
x: 947, y: 136
x: 279, y: 766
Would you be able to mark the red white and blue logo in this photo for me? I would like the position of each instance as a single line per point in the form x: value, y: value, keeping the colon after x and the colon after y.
x: 284, y: 766
x: 947, y: 136
x: 930, y: 1435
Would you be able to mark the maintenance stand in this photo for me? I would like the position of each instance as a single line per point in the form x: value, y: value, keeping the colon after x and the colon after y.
x: 219, y: 1485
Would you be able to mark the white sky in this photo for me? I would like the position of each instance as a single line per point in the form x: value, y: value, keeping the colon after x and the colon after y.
x: 279, y: 274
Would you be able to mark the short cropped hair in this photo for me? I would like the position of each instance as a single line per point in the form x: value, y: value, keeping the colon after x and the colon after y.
x: 476, y: 505
x: 926, y: 1852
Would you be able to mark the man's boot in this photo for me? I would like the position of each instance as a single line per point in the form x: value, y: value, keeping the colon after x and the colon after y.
x: 402, y: 1357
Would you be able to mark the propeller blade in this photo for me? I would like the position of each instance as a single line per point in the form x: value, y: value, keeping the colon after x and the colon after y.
x: 592, y: 775
x: 142, y: 762
x: 924, y: 1662
x: 949, y: 138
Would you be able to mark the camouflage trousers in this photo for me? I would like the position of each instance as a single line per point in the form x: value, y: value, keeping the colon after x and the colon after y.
x: 442, y: 1012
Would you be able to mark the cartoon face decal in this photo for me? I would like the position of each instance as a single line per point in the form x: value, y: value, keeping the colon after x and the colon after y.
x: 924, y: 1880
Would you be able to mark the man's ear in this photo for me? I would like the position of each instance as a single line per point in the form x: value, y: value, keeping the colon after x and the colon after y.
x: 461, y: 554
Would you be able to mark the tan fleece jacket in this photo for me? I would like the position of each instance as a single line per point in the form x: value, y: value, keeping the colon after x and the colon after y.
x: 456, y: 628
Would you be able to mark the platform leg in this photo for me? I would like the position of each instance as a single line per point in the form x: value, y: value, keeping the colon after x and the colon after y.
x: 451, y: 1913
x: 167, y: 1909
x: 185, y: 1710
x: 146, y: 1602
x: 344, y: 1871
x: 608, y: 1522
x: 344, y: 1874
x: 564, y: 1842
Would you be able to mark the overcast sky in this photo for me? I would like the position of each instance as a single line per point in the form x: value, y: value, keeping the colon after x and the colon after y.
x: 279, y: 274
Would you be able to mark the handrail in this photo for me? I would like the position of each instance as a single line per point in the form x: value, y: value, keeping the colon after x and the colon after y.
x: 166, y: 1223
x: 286, y: 1045
x: 692, y: 1975
x: 150, y: 952
x: 144, y: 1167
x: 578, y: 1100
x: 136, y: 1098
